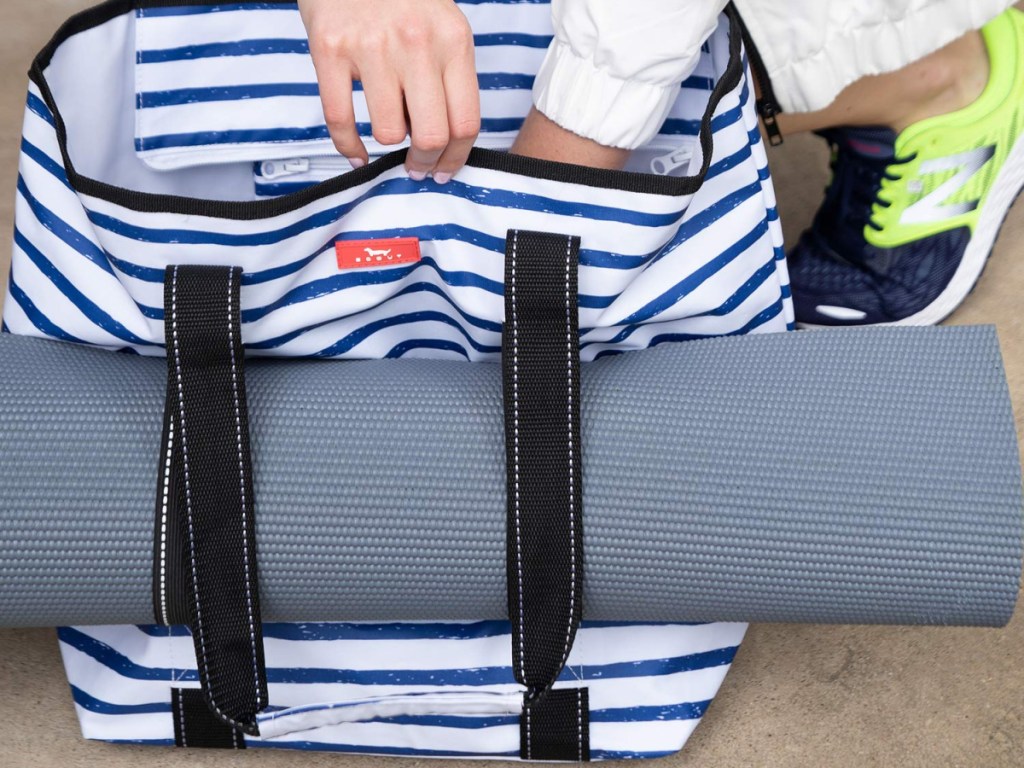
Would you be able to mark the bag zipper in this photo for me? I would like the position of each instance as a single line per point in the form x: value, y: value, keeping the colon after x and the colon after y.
x: 663, y: 165
x: 277, y: 169
x: 767, y: 106
x: 270, y: 170
x: 337, y: 164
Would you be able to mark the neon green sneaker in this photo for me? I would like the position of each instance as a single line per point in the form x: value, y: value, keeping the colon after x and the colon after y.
x: 909, y: 220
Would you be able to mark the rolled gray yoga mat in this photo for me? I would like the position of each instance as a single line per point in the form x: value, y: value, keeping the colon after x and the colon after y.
x: 842, y: 476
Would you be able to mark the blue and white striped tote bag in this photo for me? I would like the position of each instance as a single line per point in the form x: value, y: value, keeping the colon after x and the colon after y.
x: 167, y: 132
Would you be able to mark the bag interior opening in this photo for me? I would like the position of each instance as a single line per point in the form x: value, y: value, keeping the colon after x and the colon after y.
x: 129, y: 126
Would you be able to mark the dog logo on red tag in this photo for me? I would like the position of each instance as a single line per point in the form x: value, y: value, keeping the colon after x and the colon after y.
x: 363, y: 254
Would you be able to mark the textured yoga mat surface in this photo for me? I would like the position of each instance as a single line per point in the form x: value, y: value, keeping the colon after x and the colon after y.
x: 845, y: 476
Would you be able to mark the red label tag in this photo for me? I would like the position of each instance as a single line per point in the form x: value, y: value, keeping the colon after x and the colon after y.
x: 359, y: 254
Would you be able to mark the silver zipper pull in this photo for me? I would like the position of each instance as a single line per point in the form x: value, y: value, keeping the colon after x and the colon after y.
x: 275, y: 169
x: 677, y: 158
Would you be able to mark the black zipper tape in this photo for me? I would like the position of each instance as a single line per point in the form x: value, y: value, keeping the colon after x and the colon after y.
x: 767, y: 105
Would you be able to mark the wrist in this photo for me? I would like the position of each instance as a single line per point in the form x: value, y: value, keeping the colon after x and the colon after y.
x: 544, y: 139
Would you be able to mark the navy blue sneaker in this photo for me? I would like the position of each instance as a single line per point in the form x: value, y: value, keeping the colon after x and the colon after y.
x: 909, y: 219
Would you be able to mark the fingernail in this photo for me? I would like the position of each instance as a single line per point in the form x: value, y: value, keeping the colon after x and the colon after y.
x: 356, y: 162
x: 442, y: 178
x: 417, y: 175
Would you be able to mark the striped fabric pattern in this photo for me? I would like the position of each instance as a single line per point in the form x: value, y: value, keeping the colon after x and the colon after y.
x: 182, y: 102
x: 183, y: 67
x: 649, y: 684
x: 653, y: 267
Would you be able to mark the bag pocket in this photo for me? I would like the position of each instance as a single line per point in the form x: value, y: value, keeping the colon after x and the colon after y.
x: 221, y: 84
x: 288, y: 175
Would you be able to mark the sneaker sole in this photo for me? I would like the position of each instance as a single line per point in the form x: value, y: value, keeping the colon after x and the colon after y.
x: 1005, y: 190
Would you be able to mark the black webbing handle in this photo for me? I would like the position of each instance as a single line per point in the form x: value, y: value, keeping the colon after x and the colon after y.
x: 540, y: 361
x: 206, y: 542
x: 211, y: 500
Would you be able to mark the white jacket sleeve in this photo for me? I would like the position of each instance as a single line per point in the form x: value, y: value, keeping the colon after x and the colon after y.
x: 614, y: 69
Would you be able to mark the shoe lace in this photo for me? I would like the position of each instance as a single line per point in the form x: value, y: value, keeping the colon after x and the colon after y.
x: 859, y: 183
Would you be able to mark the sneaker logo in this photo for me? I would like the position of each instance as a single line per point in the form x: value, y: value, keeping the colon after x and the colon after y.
x: 933, y: 207
x: 360, y: 254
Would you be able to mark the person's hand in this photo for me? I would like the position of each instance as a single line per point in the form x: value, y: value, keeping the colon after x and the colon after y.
x: 415, y: 61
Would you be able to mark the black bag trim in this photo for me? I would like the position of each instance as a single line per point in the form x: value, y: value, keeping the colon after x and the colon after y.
x: 195, y: 727
x: 556, y: 727
x: 544, y: 528
x: 209, y: 493
x: 625, y: 181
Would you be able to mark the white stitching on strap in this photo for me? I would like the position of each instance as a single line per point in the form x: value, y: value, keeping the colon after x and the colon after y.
x: 181, y: 715
x: 163, y: 521
x: 572, y: 469
x: 579, y: 724
x: 241, y: 483
x: 515, y: 460
x: 188, y: 491
x: 515, y: 474
x: 529, y: 745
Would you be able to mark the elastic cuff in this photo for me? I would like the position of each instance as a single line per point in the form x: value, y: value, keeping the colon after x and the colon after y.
x: 811, y: 82
x: 588, y: 101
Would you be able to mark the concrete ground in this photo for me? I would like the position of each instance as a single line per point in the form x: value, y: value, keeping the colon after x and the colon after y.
x: 797, y: 695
